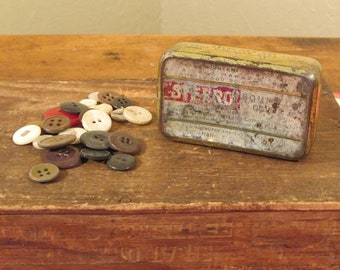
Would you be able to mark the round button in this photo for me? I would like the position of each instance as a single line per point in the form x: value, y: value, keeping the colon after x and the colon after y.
x: 95, y: 154
x: 124, y: 142
x: 74, y: 118
x: 121, y: 162
x: 121, y: 102
x: 107, y: 97
x: 57, y: 141
x: 95, y: 139
x: 63, y: 158
x: 76, y: 131
x: 137, y: 115
x: 36, y: 142
x: 44, y: 172
x: 104, y: 107
x: 96, y: 120
x: 117, y: 115
x: 26, y: 134
x: 88, y: 102
x: 72, y: 107
x: 93, y: 95
x: 55, y: 124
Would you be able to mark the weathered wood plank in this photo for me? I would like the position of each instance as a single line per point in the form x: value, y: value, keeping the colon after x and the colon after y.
x: 184, y: 206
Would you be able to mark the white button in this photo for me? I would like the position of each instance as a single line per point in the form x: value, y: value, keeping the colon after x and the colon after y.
x: 36, y: 142
x: 117, y: 115
x: 96, y: 120
x: 104, y: 107
x: 26, y: 134
x: 94, y: 95
x: 74, y: 131
x: 137, y: 115
x: 89, y: 102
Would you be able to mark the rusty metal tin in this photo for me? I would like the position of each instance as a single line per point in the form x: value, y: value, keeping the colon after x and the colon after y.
x: 252, y: 101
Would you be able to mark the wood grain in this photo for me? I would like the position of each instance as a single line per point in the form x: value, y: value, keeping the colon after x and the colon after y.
x: 184, y: 206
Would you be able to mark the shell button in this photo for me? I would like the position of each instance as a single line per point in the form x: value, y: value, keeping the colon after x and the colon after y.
x: 137, y: 115
x: 96, y: 120
x: 26, y: 134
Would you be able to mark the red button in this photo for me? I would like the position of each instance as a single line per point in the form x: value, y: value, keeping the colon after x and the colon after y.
x: 57, y: 111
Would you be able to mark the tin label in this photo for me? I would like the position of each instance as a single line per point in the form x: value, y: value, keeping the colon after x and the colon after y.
x: 234, y: 107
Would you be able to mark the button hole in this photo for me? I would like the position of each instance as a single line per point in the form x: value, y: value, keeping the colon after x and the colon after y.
x: 25, y: 133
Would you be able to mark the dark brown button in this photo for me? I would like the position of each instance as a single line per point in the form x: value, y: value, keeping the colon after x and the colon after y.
x: 107, y: 97
x: 56, y: 124
x: 57, y: 141
x: 44, y: 172
x: 121, y: 162
x: 124, y: 142
x: 63, y: 158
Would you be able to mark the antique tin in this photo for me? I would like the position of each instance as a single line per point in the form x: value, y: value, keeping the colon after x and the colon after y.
x: 252, y: 101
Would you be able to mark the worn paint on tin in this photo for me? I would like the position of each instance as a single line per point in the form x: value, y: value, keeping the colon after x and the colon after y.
x: 251, y: 101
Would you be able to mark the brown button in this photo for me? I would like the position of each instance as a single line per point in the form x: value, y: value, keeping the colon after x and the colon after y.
x: 107, y: 97
x: 124, y: 142
x: 57, y: 141
x: 56, y: 124
x: 63, y: 158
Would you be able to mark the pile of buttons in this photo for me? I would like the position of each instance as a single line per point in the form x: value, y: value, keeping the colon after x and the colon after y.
x: 86, y: 123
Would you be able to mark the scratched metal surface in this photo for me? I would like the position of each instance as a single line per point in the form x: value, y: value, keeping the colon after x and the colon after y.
x: 239, y: 106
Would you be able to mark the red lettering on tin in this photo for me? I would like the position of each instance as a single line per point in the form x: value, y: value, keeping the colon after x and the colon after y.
x: 174, y: 91
x: 202, y: 94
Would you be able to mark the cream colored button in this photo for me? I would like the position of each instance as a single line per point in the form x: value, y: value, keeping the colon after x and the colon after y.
x: 89, y: 102
x: 137, y: 115
x: 36, y: 142
x: 94, y: 95
x: 117, y: 115
x: 104, y: 107
x: 96, y: 120
x: 74, y: 131
x: 26, y: 134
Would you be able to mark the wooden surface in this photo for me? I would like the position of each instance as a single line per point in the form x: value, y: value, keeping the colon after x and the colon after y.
x: 184, y: 206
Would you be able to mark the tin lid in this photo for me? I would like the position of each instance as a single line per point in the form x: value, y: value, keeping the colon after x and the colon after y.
x: 299, y: 65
